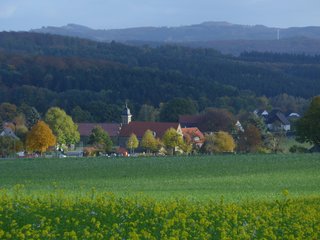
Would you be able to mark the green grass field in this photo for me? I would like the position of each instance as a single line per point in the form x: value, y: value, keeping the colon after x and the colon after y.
x: 236, y: 177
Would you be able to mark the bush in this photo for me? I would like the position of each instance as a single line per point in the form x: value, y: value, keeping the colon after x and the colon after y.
x: 263, y: 150
x: 90, y: 152
x: 298, y: 149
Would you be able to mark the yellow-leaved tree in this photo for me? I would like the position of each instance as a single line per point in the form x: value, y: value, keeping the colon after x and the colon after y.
x: 132, y: 142
x: 224, y: 142
x: 40, y: 138
x: 219, y: 142
x: 148, y: 141
x: 172, y: 139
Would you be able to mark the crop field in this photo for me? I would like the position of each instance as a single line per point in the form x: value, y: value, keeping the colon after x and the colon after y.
x: 207, y: 197
x: 235, y: 177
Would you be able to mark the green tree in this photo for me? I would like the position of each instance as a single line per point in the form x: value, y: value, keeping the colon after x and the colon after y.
x: 148, y: 141
x: 132, y: 142
x: 9, y: 145
x: 247, y: 119
x: 79, y: 115
x: 62, y: 126
x: 100, y: 139
x: 1, y: 125
x: 308, y: 127
x: 179, y: 106
x: 187, y: 147
x: 215, y: 120
x: 8, y: 111
x: 40, y: 138
x: 172, y: 139
x: 158, y: 145
x: 208, y: 146
x: 148, y: 113
x: 287, y: 103
x: 272, y: 141
x: 244, y: 101
x: 32, y: 117
x: 22, y: 132
x: 103, y: 112
x: 31, y: 114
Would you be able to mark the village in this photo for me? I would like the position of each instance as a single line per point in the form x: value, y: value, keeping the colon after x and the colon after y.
x: 159, y: 120
x: 258, y: 132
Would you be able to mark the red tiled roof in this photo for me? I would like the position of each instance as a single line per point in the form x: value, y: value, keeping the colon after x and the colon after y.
x: 111, y: 128
x: 139, y: 128
x: 192, y: 133
x: 193, y: 130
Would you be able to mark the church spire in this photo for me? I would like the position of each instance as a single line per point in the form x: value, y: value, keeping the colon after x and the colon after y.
x: 126, y: 115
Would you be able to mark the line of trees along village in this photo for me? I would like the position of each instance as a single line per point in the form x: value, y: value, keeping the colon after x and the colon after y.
x: 56, y: 129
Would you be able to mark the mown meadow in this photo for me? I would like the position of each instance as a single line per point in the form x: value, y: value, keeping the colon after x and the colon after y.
x: 203, y: 197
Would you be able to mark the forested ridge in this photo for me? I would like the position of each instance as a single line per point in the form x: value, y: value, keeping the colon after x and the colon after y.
x: 45, y: 70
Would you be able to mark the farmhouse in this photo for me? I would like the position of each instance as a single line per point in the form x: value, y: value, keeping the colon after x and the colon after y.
x: 194, y: 136
x: 8, y: 132
x: 276, y: 121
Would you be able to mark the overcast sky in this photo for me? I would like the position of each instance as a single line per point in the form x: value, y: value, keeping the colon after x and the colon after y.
x: 106, y: 14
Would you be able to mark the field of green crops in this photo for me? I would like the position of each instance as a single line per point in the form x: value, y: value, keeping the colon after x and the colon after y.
x: 236, y: 177
x: 207, y: 197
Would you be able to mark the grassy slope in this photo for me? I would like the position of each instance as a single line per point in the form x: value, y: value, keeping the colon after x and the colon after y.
x: 236, y: 177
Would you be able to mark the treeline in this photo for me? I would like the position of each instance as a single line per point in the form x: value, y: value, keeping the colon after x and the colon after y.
x: 45, y: 70
x: 280, y: 57
x: 120, y: 81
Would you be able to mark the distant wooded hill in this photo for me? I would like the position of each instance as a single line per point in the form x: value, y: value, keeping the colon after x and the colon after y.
x: 45, y: 70
x: 225, y: 37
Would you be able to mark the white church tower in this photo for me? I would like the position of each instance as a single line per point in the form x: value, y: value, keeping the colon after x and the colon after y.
x: 126, y: 115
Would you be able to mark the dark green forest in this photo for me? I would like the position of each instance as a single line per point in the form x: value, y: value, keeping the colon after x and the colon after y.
x: 96, y: 78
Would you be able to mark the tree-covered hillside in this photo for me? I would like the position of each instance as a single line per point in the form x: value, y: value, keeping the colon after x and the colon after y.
x: 46, y: 70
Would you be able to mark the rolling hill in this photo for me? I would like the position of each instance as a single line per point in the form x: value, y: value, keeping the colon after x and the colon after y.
x: 225, y: 37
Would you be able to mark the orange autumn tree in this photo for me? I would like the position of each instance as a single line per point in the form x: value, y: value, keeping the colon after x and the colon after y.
x: 40, y: 138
